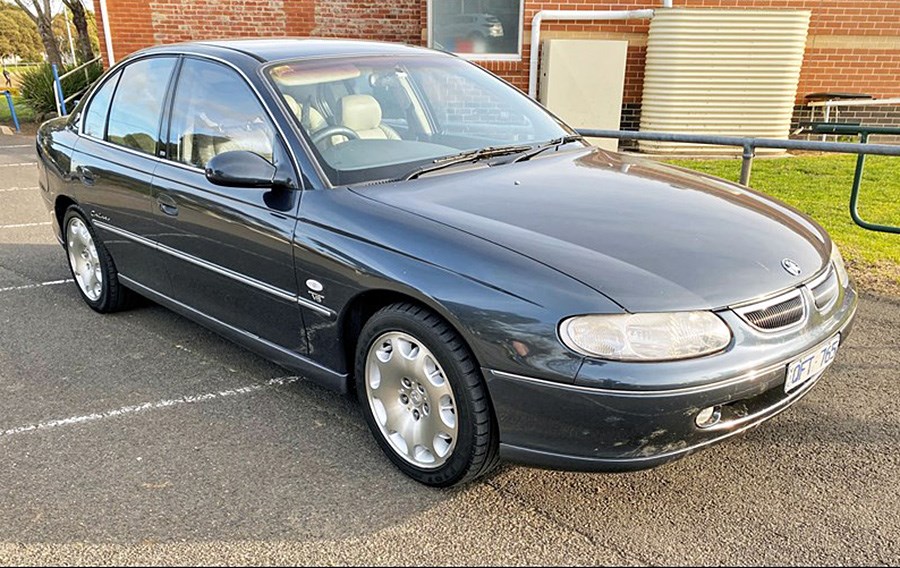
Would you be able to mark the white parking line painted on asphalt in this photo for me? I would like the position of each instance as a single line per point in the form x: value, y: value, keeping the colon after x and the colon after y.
x: 17, y: 146
x: 41, y: 285
x: 18, y: 189
x: 20, y: 225
x: 189, y: 399
x: 18, y: 164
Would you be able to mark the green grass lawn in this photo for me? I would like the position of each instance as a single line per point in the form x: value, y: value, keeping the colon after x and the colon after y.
x: 820, y: 187
x: 23, y: 113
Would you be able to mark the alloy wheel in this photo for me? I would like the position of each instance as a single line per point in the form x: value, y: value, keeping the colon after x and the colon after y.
x: 411, y: 399
x: 84, y: 259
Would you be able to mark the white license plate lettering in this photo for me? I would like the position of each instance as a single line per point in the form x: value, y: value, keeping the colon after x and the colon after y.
x: 811, y: 363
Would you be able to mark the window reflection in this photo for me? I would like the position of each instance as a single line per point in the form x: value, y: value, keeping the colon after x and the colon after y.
x: 137, y: 105
x: 95, y: 117
x: 214, y: 111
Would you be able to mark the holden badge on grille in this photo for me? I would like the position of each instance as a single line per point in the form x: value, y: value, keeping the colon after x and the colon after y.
x: 791, y: 266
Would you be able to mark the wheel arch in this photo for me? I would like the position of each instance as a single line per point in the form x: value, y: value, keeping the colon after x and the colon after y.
x: 365, y: 304
x: 60, y: 206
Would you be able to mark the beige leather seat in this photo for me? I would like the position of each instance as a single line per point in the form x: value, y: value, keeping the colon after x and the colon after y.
x: 316, y: 120
x: 256, y: 141
x: 205, y: 140
x: 362, y: 114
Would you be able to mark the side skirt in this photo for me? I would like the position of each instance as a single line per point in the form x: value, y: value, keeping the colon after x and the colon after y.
x: 296, y: 363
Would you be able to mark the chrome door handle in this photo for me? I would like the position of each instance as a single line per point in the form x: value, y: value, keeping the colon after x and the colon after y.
x: 167, y: 205
x: 87, y: 176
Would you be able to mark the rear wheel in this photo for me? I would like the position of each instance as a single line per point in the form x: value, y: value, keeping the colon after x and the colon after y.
x: 424, y: 398
x: 91, y: 266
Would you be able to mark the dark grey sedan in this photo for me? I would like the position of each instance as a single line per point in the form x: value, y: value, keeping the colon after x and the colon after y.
x: 397, y: 223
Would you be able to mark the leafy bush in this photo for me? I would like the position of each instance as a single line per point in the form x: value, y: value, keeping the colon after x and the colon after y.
x: 36, y: 85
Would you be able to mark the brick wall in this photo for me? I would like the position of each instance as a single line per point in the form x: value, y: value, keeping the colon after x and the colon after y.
x: 853, y: 46
x: 881, y: 115
x: 871, y: 71
x: 186, y: 20
x: 131, y: 21
x: 385, y: 20
x: 136, y: 24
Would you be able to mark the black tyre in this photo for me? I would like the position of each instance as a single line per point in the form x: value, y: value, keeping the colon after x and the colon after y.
x: 91, y: 266
x: 424, y: 398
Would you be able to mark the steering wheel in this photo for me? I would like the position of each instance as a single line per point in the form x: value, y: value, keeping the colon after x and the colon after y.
x: 336, y: 130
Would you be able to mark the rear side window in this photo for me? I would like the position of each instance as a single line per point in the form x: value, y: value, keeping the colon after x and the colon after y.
x: 214, y: 111
x: 136, y: 108
x: 95, y: 117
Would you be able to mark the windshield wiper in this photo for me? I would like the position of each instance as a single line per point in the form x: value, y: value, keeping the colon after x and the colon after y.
x: 555, y: 143
x: 464, y: 157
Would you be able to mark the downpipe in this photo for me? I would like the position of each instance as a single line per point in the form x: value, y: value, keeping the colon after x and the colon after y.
x: 107, y: 33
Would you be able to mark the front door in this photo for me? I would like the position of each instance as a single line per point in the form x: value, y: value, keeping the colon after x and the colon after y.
x: 228, y: 250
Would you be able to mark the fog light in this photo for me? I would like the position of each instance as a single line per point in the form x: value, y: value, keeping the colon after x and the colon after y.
x: 708, y: 416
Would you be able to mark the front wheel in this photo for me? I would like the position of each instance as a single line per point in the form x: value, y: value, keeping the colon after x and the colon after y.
x: 424, y: 398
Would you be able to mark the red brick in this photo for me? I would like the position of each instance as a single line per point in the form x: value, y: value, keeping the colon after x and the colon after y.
x: 133, y: 27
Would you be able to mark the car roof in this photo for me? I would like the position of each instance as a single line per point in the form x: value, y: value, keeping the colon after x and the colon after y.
x: 273, y: 49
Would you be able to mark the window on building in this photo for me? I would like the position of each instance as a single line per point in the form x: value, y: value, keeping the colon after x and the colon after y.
x: 476, y: 29
x: 137, y: 106
x: 214, y: 111
x: 95, y: 117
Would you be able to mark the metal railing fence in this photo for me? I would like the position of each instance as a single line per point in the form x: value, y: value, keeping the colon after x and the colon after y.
x: 749, y: 145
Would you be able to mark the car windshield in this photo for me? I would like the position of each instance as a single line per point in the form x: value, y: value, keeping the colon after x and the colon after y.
x: 375, y: 118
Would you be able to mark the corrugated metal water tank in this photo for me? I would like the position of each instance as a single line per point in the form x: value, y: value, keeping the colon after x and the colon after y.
x: 727, y: 72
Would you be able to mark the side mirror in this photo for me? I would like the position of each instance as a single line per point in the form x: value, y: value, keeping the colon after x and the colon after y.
x: 241, y: 169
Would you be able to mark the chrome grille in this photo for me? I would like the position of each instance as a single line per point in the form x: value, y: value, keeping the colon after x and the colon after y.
x: 825, y: 292
x: 775, y: 314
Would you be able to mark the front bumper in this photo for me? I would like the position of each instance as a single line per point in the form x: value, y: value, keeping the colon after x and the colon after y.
x: 586, y: 427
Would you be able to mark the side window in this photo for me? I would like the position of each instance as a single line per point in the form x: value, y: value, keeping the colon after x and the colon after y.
x: 95, y: 117
x: 137, y: 105
x: 214, y: 111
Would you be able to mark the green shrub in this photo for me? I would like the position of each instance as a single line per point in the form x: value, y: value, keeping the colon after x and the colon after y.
x: 36, y: 85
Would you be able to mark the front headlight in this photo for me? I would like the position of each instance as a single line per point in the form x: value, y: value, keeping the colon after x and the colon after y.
x: 838, y: 261
x: 646, y: 337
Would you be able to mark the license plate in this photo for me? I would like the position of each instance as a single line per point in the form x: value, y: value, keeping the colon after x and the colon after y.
x: 811, y: 363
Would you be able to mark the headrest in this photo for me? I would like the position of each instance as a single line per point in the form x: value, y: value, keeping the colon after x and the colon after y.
x: 292, y: 104
x: 315, y: 119
x: 360, y: 112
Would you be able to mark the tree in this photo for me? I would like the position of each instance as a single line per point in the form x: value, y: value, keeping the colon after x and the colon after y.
x: 92, y: 29
x: 62, y: 29
x: 18, y: 36
x: 61, y: 33
x: 82, y: 28
x: 42, y: 15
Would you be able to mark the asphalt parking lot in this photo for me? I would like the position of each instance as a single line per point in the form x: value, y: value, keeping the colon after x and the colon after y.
x: 143, y: 438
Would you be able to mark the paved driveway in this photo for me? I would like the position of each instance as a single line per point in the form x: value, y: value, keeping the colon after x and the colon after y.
x: 141, y: 437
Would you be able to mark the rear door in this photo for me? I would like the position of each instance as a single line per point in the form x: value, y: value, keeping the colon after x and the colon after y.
x: 114, y: 161
x: 227, y: 250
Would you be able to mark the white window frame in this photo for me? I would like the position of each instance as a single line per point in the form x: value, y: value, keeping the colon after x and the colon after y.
x: 481, y: 56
